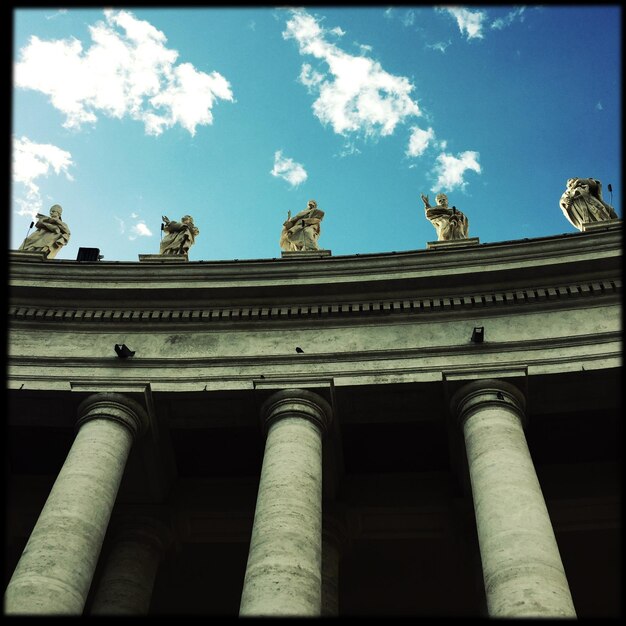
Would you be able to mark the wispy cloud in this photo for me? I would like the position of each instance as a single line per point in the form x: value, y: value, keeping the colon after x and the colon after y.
x: 32, y: 161
x: 127, y: 71
x: 56, y: 14
x: 408, y: 19
x: 599, y: 106
x: 355, y: 94
x: 287, y: 169
x: 419, y: 141
x: 469, y: 22
x: 509, y: 18
x: 139, y: 229
x: 440, y: 46
x: 450, y: 170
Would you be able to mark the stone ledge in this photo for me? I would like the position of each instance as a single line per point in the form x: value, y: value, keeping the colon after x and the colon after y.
x: 305, y: 254
x: 453, y: 243
x: 603, y: 225
x: 28, y: 255
x: 163, y: 258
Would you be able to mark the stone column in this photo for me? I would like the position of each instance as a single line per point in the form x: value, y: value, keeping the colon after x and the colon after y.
x: 522, y: 569
x: 334, y: 541
x: 55, y: 570
x: 283, y: 574
x: 126, y: 584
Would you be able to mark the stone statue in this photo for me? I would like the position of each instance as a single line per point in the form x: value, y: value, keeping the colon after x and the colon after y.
x: 302, y: 231
x: 180, y: 235
x: 51, y: 234
x: 449, y: 223
x: 582, y: 202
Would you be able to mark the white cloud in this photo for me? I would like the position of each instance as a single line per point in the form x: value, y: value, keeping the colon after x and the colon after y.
x: 355, y: 94
x: 507, y: 20
x: 141, y: 230
x: 469, y: 22
x: 127, y: 71
x: 32, y: 161
x: 287, y: 169
x: 450, y: 170
x: 599, y: 106
x: 419, y: 141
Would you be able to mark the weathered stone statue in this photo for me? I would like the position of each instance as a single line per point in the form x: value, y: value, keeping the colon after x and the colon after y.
x: 449, y: 223
x: 51, y: 234
x: 180, y: 235
x: 302, y: 231
x: 582, y: 202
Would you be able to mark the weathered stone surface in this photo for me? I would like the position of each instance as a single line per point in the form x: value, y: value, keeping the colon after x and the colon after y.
x: 55, y: 572
x: 522, y: 568
x: 283, y: 574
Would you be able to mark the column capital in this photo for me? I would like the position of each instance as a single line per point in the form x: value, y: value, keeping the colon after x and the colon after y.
x: 296, y: 403
x: 480, y: 393
x: 115, y: 407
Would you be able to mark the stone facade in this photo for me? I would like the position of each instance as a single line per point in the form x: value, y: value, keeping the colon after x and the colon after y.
x: 309, y: 435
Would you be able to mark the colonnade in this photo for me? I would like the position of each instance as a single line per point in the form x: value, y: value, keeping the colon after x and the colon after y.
x: 293, y: 559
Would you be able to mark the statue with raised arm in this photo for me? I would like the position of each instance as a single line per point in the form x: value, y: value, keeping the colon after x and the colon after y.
x: 51, y: 234
x: 180, y: 235
x: 450, y: 223
x: 302, y: 231
x: 582, y: 202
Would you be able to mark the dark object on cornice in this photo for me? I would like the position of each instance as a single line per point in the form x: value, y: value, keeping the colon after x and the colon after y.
x: 478, y: 334
x: 123, y: 351
x: 88, y: 254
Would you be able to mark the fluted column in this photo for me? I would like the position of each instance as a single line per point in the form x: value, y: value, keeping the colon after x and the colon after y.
x: 522, y: 569
x: 125, y: 587
x: 55, y: 570
x: 283, y: 574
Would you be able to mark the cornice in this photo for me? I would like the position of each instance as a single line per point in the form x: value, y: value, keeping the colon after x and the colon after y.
x: 437, y: 269
x: 366, y: 310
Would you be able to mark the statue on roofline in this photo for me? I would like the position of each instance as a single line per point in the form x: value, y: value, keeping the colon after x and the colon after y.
x: 302, y: 231
x: 582, y: 202
x: 180, y: 235
x: 51, y: 234
x: 450, y: 223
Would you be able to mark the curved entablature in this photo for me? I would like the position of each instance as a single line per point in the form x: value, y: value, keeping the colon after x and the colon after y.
x: 477, y: 271
x: 210, y: 313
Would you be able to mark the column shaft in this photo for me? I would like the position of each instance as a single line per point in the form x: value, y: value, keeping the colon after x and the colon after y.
x: 126, y: 584
x: 283, y: 574
x: 522, y: 567
x: 55, y: 570
x: 330, y: 577
x: 283, y: 571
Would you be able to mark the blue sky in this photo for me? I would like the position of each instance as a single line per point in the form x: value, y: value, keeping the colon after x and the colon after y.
x: 237, y: 115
